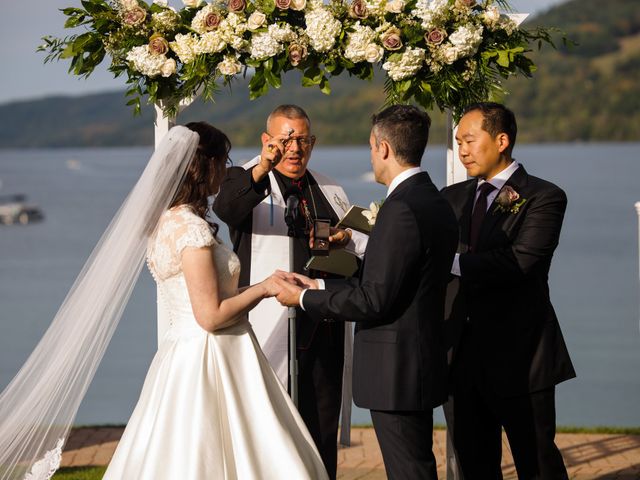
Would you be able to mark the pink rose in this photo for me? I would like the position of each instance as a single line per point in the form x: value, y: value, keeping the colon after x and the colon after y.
x: 212, y: 20
x: 358, y: 9
x: 507, y: 198
x: 135, y: 16
x: 297, y: 53
x: 283, y: 4
x: 237, y: 5
x: 391, y: 39
x: 158, y: 45
x: 436, y: 36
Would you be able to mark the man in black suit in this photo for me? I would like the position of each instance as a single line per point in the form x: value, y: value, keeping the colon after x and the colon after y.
x: 251, y: 203
x: 399, y: 370
x: 508, y: 350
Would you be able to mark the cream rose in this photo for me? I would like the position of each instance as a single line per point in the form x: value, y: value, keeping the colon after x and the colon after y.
x: 358, y: 9
x: 373, y: 53
x: 237, y: 5
x: 229, y: 66
x: 394, y: 6
x: 191, y: 3
x: 391, y: 39
x: 283, y: 4
x: 158, y: 45
x: 298, y: 5
x: 168, y: 68
x: 256, y: 20
x: 435, y: 37
x: 135, y: 16
x: 297, y: 53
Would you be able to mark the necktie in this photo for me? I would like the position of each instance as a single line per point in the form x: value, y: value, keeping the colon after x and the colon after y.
x: 479, y: 212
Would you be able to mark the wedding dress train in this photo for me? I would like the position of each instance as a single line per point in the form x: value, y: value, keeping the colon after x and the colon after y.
x: 211, y: 406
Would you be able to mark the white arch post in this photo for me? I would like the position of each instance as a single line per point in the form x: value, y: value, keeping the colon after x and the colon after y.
x: 638, y: 212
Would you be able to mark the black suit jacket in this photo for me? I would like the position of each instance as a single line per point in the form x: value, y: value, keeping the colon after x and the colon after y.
x: 398, y: 302
x: 499, y: 310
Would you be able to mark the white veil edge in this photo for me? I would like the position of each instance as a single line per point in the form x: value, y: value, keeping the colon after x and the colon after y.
x: 38, y: 407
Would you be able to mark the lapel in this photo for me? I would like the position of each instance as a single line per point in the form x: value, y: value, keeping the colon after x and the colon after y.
x: 468, y: 196
x: 494, y: 217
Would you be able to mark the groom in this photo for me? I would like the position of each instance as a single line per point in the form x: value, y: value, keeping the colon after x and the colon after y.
x: 398, y: 303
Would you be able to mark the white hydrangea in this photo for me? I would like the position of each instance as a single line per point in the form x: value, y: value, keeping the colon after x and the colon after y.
x: 282, y: 33
x: 406, y: 64
x: 358, y: 41
x: 232, y: 30
x: 491, y: 17
x: 148, y: 64
x: 165, y: 21
x: 264, y: 46
x: 431, y: 12
x: 466, y: 40
x: 210, y: 42
x: 229, y: 66
x: 376, y: 7
x: 185, y: 47
x: 322, y: 29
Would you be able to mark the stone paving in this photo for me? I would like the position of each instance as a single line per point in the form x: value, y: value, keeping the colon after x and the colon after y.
x: 587, y: 456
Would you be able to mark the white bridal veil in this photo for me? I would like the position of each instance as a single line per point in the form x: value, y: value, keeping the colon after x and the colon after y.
x: 38, y: 407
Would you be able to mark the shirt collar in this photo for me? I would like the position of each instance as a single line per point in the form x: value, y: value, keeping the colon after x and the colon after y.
x: 501, y: 178
x: 401, y: 177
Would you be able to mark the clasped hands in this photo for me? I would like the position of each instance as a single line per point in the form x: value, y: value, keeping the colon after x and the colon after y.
x: 287, y: 287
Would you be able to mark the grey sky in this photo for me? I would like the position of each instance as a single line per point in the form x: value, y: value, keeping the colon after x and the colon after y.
x: 24, y: 75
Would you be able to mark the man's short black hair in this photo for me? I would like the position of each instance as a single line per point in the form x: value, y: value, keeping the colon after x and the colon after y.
x: 497, y: 119
x: 406, y: 129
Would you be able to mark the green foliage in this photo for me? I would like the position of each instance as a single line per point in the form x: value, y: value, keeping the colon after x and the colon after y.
x: 80, y: 473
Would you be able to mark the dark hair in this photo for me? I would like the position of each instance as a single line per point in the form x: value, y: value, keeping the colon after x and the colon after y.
x: 406, y: 129
x: 496, y: 119
x: 289, y: 111
x: 206, y: 168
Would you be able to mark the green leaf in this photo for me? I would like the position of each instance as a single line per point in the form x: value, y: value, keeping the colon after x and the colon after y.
x: 324, y: 86
x: 312, y: 76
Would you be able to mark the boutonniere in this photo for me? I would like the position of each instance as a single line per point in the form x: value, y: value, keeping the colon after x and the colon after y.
x: 372, y: 213
x: 508, y: 200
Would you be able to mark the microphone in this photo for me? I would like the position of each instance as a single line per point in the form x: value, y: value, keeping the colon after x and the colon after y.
x: 292, y: 199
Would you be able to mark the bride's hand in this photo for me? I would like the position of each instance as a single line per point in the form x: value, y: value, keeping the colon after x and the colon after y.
x: 297, y: 279
x: 272, y: 286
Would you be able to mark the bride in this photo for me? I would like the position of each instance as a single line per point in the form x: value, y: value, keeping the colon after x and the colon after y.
x: 211, y: 406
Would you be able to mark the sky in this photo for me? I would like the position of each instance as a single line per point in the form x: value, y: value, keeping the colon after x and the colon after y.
x: 23, y: 75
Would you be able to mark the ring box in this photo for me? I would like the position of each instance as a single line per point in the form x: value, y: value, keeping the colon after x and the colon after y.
x: 321, y: 233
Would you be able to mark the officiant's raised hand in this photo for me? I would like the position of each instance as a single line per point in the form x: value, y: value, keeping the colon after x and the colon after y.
x: 273, y: 148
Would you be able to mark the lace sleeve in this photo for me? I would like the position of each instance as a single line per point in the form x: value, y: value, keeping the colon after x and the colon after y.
x: 178, y: 229
x: 197, y: 234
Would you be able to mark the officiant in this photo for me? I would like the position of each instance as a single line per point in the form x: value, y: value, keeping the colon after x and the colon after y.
x: 251, y: 201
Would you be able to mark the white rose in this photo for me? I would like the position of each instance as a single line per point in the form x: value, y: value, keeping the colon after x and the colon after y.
x: 229, y: 66
x: 394, y: 6
x: 191, y: 3
x: 256, y: 20
x: 168, y: 68
x: 128, y: 4
x: 298, y: 5
x: 450, y: 54
x: 162, y: 3
x: 373, y: 53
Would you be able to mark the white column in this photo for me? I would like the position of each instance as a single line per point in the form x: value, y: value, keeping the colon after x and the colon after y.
x: 455, y: 170
x: 162, y: 124
x: 638, y: 211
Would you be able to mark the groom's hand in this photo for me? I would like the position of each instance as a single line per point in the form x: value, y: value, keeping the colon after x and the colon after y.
x: 289, y: 295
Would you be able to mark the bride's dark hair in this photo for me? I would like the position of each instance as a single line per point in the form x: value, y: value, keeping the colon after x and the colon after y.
x: 206, y: 170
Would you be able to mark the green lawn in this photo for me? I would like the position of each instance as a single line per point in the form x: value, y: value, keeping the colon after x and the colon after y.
x: 80, y: 473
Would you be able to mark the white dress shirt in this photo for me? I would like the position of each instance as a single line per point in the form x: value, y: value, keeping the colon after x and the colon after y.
x: 498, y: 181
x: 397, y: 180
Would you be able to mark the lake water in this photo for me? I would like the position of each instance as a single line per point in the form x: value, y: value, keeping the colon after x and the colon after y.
x: 594, y: 277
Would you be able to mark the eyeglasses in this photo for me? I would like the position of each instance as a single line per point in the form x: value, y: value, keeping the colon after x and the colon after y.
x: 305, y: 141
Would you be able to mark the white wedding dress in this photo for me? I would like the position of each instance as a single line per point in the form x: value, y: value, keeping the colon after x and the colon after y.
x: 211, y: 406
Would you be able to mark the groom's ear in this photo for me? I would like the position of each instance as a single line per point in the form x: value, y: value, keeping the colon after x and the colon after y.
x: 385, y: 149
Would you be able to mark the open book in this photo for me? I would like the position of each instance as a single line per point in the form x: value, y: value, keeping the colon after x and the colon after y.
x: 340, y: 262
